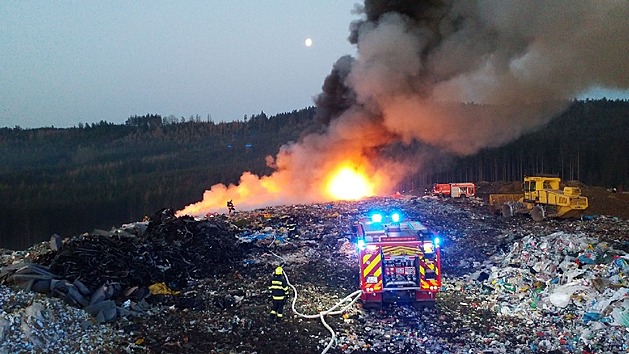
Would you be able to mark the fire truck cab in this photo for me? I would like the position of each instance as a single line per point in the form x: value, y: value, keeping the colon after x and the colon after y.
x: 399, y: 261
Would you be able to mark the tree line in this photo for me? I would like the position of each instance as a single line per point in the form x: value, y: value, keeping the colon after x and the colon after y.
x: 588, y: 142
x: 72, y: 180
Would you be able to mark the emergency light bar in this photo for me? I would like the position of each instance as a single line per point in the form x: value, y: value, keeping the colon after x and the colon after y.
x: 376, y: 217
x: 379, y: 217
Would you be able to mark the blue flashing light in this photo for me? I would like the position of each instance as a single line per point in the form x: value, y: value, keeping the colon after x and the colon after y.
x: 376, y: 217
x: 395, y: 217
x: 361, y: 244
x: 436, y: 241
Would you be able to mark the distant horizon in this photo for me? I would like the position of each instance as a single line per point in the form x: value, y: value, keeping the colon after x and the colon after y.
x: 66, y: 63
x: 70, y: 62
x: 595, y: 95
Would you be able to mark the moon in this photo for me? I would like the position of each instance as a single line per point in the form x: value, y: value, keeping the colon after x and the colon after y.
x: 308, y: 42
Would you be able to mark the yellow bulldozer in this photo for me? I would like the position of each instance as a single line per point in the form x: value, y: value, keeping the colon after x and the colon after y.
x: 542, y: 197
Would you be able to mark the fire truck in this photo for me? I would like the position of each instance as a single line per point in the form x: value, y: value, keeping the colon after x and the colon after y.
x: 399, y: 261
x: 454, y: 190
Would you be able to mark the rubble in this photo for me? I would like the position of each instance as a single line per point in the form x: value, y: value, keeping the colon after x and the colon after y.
x: 180, y: 285
x: 34, y: 323
x: 94, y: 270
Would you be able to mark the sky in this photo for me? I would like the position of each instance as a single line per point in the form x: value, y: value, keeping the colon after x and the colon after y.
x: 66, y: 62
x: 69, y: 62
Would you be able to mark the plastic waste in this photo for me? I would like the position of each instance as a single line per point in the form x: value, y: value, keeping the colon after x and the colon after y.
x: 562, y: 294
x: 621, y: 314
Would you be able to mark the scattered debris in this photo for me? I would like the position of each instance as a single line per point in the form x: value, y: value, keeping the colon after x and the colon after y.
x: 178, y: 285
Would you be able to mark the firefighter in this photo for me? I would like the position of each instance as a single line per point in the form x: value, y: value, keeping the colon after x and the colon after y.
x: 279, y: 290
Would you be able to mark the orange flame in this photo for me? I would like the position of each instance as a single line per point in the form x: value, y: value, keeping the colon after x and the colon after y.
x: 349, y: 184
x: 320, y: 168
x: 343, y: 181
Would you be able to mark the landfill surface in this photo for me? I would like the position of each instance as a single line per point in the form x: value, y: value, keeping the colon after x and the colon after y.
x: 184, y: 285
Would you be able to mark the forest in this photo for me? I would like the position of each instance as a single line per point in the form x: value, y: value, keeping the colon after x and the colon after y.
x: 72, y: 180
x: 68, y: 181
x: 588, y: 143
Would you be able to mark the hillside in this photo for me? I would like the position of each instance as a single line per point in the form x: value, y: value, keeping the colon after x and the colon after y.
x: 586, y: 143
x: 66, y: 181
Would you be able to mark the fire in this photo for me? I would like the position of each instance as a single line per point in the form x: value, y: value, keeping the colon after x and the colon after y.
x: 309, y: 172
x: 349, y: 184
x: 341, y: 182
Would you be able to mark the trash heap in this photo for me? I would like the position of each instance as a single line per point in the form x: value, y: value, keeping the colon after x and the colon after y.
x: 570, y: 277
x: 564, y: 270
x: 184, y: 285
x: 34, y: 323
x: 99, y: 271
x: 170, y: 250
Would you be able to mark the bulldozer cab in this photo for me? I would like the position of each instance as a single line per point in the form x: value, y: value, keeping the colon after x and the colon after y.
x: 532, y: 186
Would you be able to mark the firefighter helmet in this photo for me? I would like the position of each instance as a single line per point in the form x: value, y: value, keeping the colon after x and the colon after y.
x: 279, y: 270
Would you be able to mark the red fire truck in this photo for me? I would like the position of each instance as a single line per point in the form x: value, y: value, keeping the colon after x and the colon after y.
x: 454, y: 190
x: 399, y: 261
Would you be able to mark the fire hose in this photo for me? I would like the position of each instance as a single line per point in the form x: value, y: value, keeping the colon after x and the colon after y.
x: 350, y: 299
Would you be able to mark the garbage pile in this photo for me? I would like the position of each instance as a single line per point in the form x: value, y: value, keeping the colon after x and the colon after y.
x: 34, y: 323
x: 170, y: 250
x: 94, y: 271
x: 572, y: 288
x: 510, y: 285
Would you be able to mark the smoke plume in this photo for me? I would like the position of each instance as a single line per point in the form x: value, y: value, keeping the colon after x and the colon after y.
x: 457, y: 76
x: 416, y: 58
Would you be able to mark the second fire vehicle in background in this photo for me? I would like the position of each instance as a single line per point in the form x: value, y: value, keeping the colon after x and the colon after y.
x: 454, y: 190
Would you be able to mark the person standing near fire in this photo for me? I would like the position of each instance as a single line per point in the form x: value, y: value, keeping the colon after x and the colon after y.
x: 279, y: 291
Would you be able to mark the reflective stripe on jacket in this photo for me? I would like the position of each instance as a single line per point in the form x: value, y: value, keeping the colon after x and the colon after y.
x: 279, y: 287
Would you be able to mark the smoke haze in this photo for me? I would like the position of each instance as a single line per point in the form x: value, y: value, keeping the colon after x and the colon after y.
x: 416, y: 57
x: 458, y: 76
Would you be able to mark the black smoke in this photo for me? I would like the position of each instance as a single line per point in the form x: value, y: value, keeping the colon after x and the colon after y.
x: 418, y: 62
